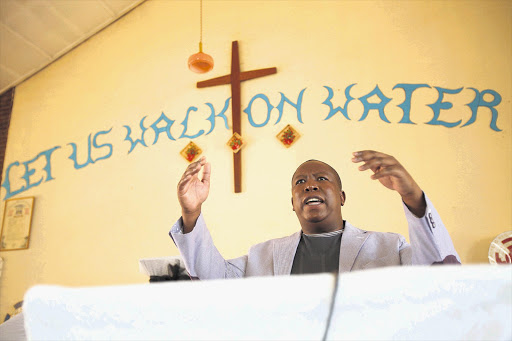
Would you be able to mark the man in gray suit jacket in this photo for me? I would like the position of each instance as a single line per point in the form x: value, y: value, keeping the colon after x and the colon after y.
x: 326, y: 242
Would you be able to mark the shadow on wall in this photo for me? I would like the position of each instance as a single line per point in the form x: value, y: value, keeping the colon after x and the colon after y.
x: 482, y: 244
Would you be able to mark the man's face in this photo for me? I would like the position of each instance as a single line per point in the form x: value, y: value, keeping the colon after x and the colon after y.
x: 317, y: 197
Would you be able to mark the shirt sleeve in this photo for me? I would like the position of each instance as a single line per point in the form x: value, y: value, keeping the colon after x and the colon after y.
x: 405, y: 251
x: 201, y: 257
x: 430, y: 240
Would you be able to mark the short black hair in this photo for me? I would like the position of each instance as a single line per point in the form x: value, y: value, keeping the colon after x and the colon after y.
x: 338, y: 179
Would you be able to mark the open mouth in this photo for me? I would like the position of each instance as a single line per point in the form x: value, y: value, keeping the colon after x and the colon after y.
x: 313, y: 201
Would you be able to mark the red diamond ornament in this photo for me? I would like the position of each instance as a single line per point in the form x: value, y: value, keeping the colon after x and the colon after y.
x: 191, y: 152
x: 288, y: 136
x: 235, y: 143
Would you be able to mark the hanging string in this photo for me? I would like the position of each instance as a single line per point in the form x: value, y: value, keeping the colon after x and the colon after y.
x: 200, y: 62
x: 201, y: 25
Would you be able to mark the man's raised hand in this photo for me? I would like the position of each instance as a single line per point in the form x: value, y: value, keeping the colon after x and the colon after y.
x: 393, y: 175
x: 192, y: 192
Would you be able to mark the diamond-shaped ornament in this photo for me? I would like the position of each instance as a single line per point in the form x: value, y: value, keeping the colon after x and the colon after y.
x: 236, y: 143
x: 191, y: 152
x: 288, y: 136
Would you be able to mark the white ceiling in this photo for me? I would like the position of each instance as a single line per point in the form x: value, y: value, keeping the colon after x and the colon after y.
x: 34, y: 33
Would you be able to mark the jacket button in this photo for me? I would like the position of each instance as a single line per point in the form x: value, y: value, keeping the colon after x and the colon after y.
x: 432, y: 223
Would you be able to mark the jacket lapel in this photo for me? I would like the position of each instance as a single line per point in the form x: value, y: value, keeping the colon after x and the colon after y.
x: 351, y: 243
x: 284, y: 252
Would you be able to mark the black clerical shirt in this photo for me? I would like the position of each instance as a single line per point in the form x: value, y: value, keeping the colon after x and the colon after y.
x: 317, y: 253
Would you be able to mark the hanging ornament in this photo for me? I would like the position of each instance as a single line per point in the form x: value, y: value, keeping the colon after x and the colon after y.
x: 235, y: 143
x: 191, y: 152
x: 288, y: 136
x: 200, y: 62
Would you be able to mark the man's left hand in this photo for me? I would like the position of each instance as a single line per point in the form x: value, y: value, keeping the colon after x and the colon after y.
x: 393, y: 175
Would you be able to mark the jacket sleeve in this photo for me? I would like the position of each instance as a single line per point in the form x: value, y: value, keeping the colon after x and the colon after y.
x: 430, y: 241
x: 202, y: 259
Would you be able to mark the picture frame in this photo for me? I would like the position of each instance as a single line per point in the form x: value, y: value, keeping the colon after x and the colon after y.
x: 16, y: 224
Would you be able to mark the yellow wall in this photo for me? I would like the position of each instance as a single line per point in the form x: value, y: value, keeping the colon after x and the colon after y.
x: 91, y: 225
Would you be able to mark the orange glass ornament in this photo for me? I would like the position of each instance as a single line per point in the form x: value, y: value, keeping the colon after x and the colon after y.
x: 200, y: 62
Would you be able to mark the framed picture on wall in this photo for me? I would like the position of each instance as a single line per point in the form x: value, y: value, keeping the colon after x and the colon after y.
x: 16, y: 224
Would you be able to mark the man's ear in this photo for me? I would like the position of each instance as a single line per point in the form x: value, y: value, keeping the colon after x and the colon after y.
x: 293, y: 208
x: 342, y: 197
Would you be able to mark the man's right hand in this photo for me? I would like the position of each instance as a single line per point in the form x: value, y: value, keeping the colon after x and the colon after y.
x: 192, y: 192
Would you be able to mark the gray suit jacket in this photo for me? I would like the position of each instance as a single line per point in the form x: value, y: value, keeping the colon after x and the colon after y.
x: 360, y: 249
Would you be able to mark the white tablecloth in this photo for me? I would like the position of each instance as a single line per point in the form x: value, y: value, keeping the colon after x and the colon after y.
x: 435, y: 303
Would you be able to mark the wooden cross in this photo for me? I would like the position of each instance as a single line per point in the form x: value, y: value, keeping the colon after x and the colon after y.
x: 235, y: 78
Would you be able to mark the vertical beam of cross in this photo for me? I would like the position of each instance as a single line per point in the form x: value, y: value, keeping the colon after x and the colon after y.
x: 235, y: 78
